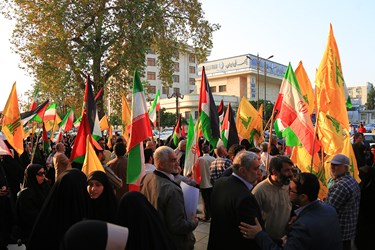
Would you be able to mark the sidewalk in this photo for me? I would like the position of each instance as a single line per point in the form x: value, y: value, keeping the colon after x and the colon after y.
x: 202, y: 231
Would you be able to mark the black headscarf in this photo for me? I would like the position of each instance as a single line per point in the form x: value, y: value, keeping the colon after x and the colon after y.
x: 30, y: 200
x: 66, y: 204
x: 105, y: 206
x: 95, y: 234
x: 146, y: 230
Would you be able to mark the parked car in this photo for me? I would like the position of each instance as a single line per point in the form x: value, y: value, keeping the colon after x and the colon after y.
x: 369, y: 127
x: 369, y: 138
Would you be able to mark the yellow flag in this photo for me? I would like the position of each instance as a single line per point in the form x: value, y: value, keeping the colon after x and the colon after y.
x: 349, y: 152
x: 104, y: 123
x: 305, y: 86
x: 302, y: 159
x: 126, y: 117
x: 331, y: 94
x: 247, y: 119
x: 91, y: 162
x: 11, y: 125
x: 55, y: 125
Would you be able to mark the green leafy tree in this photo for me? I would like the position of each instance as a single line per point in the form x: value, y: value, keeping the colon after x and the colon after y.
x: 371, y: 98
x: 59, y: 42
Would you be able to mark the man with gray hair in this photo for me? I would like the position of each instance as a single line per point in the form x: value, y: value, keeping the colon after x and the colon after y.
x: 344, y: 195
x: 167, y: 198
x: 233, y: 202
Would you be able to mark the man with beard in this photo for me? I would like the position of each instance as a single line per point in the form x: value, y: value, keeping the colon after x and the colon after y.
x: 316, y: 225
x: 273, y: 197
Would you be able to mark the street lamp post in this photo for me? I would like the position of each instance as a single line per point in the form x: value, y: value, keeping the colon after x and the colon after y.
x: 176, y: 94
x: 265, y: 86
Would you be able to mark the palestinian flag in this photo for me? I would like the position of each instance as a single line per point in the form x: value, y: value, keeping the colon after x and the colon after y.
x: 92, y: 113
x: 154, y: 108
x: 36, y: 115
x: 79, y: 147
x: 208, y: 115
x: 140, y: 130
x: 46, y: 144
x: 229, y: 134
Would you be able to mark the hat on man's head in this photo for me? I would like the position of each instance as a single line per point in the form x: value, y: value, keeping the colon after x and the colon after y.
x: 340, y: 159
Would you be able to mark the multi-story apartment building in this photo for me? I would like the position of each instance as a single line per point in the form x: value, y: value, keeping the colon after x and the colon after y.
x: 184, y: 75
x: 360, y: 93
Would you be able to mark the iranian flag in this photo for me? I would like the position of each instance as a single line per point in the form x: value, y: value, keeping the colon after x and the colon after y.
x: 192, y: 147
x: 177, y: 131
x: 229, y: 134
x: 154, y: 108
x: 140, y: 130
x: 66, y: 124
x: 208, y: 115
x: 293, y: 118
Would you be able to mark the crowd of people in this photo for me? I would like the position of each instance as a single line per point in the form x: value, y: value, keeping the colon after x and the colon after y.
x: 253, y: 197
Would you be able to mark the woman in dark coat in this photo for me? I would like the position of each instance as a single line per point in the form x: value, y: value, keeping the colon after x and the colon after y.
x: 146, y: 230
x: 66, y: 204
x: 103, y: 203
x: 30, y: 199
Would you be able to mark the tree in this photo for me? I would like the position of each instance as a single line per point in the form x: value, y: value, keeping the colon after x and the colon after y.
x: 269, y: 108
x: 59, y: 42
x: 371, y: 98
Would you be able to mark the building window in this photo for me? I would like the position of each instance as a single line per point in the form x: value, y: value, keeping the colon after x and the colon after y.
x: 151, y: 89
x: 176, y: 78
x: 151, y: 75
x: 196, y: 115
x: 191, y: 69
x: 165, y: 90
x: 192, y: 58
x: 213, y: 89
x: 176, y: 67
x: 176, y: 90
x: 187, y: 115
x: 222, y: 88
x: 191, y: 81
x: 151, y: 62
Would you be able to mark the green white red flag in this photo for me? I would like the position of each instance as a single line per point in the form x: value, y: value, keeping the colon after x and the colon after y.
x: 192, y: 147
x: 292, y: 112
x: 79, y: 147
x: 139, y: 131
x: 154, y: 108
x: 229, y: 134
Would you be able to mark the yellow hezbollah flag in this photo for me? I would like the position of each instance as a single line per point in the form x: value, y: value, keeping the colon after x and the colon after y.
x: 302, y: 159
x: 91, y: 162
x: 104, y: 123
x: 331, y: 96
x: 11, y: 126
x: 109, y: 132
x: 55, y: 125
x: 349, y: 152
x: 247, y: 119
x: 126, y: 117
x: 305, y: 86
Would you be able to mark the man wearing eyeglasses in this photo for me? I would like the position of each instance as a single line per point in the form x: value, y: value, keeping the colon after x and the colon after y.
x: 316, y: 225
x: 344, y: 195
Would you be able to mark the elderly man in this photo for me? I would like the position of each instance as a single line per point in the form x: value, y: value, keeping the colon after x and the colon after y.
x: 166, y: 196
x: 316, y: 225
x: 273, y: 198
x: 344, y: 195
x: 233, y: 202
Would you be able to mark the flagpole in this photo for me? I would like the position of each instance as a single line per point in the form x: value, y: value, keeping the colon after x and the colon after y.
x: 314, y: 140
x: 274, y: 113
x: 159, y: 127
